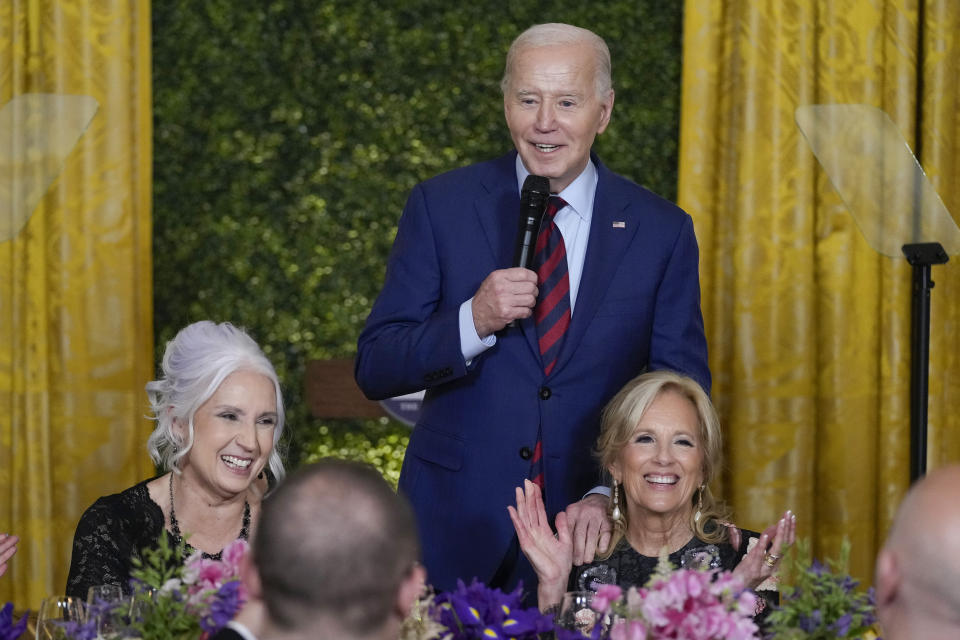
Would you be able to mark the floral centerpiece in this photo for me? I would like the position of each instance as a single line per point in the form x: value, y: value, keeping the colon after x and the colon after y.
x: 185, y: 601
x: 684, y: 603
x: 677, y: 603
x: 821, y: 602
x: 817, y: 602
x: 173, y: 600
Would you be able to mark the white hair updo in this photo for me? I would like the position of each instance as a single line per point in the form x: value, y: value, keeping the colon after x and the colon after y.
x: 195, y: 364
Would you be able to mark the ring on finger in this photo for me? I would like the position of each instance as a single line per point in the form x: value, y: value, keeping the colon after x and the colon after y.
x: 770, y: 560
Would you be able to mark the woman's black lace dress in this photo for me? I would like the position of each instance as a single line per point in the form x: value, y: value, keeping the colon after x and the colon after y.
x: 109, y: 534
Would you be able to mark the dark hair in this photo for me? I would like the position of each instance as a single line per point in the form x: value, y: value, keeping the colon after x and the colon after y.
x: 334, y: 541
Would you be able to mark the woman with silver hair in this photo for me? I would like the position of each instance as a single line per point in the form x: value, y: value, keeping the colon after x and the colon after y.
x: 219, y: 414
x: 660, y: 442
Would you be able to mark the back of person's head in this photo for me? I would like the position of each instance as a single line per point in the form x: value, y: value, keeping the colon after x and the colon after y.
x: 335, y: 546
x: 195, y: 363
x: 918, y: 570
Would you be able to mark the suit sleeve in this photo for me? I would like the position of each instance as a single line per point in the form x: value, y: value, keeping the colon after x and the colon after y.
x: 411, y: 340
x: 678, y: 341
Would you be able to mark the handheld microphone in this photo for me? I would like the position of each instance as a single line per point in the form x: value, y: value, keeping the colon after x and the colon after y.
x: 533, y: 203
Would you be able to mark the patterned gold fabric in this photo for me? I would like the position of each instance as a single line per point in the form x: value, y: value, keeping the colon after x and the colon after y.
x: 75, y: 278
x: 808, y: 327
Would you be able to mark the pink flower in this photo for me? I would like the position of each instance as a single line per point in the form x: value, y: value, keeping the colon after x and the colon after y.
x: 635, y: 599
x: 204, y: 576
x: 203, y: 573
x: 628, y: 630
x: 233, y: 553
x: 604, y: 596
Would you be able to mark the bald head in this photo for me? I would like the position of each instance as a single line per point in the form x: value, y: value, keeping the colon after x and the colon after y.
x: 918, y: 570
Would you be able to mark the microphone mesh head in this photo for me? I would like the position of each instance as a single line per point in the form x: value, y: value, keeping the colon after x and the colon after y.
x: 537, y: 184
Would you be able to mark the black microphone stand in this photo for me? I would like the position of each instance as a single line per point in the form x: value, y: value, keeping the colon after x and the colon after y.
x: 921, y: 256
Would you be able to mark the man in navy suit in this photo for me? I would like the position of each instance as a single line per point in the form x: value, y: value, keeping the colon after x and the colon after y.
x: 443, y: 319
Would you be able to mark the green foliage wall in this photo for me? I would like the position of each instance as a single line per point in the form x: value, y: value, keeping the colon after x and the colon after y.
x: 287, y: 135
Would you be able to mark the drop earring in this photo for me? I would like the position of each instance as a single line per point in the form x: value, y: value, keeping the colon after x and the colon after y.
x: 696, y: 516
x: 615, y: 514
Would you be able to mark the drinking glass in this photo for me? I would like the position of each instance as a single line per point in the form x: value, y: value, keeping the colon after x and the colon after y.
x: 105, y: 603
x: 575, y: 612
x: 55, y: 613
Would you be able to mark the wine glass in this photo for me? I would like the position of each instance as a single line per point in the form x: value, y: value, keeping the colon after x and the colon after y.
x: 575, y: 612
x: 106, y: 604
x: 55, y: 613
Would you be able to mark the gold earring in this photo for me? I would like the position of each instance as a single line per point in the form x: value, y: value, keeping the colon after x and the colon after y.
x: 696, y: 516
x: 615, y: 514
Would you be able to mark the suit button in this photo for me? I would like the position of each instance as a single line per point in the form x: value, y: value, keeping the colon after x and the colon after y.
x: 545, y: 392
x: 526, y: 453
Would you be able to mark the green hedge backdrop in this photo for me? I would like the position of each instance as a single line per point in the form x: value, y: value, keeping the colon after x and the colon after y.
x: 287, y: 135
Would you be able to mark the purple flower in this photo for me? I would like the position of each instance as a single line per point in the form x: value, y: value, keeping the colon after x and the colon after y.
x: 841, y: 625
x: 477, y: 611
x: 572, y: 634
x: 812, y: 622
x: 847, y: 583
x: 79, y: 630
x: 817, y: 569
x: 9, y: 630
x: 224, y: 604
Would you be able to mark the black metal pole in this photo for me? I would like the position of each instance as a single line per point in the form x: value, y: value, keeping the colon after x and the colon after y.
x: 919, y: 369
x: 921, y: 256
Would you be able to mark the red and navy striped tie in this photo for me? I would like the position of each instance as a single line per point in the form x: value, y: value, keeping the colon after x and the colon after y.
x: 552, y: 313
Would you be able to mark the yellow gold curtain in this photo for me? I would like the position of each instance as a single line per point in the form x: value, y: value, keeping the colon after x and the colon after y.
x: 75, y: 273
x: 808, y: 327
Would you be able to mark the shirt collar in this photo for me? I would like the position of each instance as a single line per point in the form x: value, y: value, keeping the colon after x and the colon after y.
x: 579, y: 194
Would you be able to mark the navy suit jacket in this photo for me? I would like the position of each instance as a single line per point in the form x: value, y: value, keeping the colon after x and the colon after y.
x: 638, y: 308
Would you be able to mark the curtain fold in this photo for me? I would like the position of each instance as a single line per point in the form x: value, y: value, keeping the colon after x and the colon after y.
x: 76, y: 342
x: 809, y: 327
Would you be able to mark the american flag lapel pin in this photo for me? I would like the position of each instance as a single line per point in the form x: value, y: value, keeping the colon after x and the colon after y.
x: 619, y: 224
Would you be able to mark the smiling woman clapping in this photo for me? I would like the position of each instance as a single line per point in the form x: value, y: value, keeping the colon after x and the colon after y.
x: 660, y: 442
x: 219, y: 413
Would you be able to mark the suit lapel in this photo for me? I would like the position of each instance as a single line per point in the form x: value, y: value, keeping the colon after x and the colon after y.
x: 499, y: 209
x: 612, y: 229
x: 499, y: 215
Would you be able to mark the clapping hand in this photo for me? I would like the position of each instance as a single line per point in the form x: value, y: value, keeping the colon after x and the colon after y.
x: 551, y: 555
x: 8, y: 547
x: 762, y: 560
